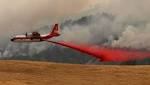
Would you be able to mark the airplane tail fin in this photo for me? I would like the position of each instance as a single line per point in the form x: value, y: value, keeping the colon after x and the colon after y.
x: 55, y: 31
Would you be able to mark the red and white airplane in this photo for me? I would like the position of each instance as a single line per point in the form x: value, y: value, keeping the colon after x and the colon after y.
x: 37, y: 37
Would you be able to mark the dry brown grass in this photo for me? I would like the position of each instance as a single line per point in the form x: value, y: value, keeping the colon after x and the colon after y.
x: 44, y: 73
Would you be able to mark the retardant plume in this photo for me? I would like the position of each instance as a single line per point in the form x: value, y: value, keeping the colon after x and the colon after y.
x: 107, y: 54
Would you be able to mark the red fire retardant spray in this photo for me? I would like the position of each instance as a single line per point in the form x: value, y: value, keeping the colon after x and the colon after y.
x: 107, y: 54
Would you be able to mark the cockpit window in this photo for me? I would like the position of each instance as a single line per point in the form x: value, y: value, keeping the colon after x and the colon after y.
x: 35, y: 34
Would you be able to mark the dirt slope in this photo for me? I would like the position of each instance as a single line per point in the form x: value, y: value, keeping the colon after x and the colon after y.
x: 44, y: 73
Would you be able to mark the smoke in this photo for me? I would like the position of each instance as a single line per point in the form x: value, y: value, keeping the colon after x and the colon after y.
x: 23, y: 49
x: 119, y: 23
x: 134, y: 37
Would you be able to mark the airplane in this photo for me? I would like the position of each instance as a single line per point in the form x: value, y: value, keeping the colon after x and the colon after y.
x: 37, y: 37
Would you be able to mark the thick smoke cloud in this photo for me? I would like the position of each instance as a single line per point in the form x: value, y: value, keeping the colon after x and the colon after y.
x: 120, y: 23
x: 134, y: 37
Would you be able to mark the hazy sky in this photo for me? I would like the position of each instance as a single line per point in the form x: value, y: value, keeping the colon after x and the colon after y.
x: 128, y: 20
x: 17, y: 16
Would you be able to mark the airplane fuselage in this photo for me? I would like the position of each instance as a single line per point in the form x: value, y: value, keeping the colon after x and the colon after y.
x: 37, y: 37
x: 27, y: 39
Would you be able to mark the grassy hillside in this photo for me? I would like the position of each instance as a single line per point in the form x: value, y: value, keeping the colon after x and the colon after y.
x: 46, y: 73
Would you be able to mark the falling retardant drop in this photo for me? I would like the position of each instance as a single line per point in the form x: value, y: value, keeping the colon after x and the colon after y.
x: 106, y: 54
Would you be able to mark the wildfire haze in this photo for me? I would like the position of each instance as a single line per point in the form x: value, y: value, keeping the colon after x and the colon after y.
x: 96, y: 37
x: 119, y: 24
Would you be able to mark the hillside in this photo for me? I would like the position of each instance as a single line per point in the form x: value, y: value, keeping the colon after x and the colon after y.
x: 46, y: 73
